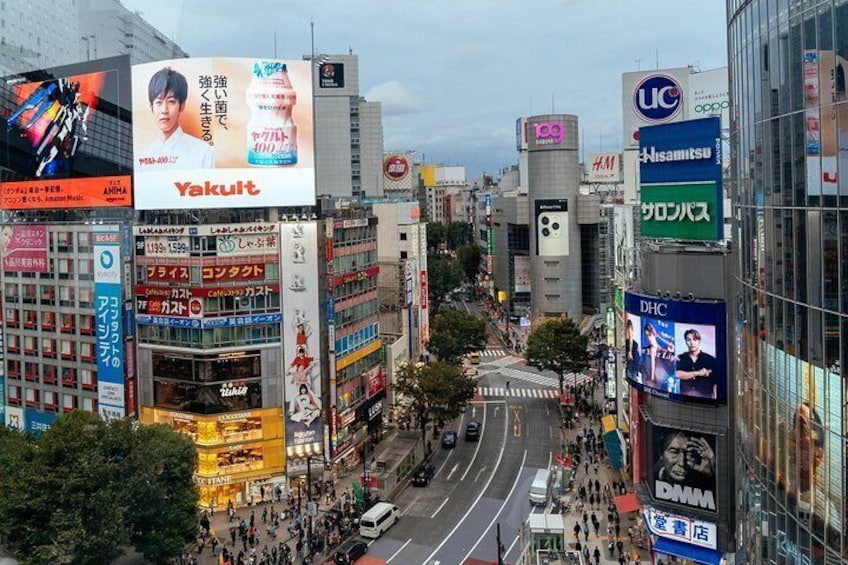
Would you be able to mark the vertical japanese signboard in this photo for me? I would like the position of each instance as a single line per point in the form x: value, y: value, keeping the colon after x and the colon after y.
x: 109, y: 324
x: 301, y: 341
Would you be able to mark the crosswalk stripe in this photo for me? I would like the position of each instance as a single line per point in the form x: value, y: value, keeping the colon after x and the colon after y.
x: 491, y: 391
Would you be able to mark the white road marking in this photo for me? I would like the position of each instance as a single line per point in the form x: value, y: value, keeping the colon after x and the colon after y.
x: 479, y: 443
x: 452, y: 471
x: 442, y: 505
x: 395, y: 554
x: 478, y: 474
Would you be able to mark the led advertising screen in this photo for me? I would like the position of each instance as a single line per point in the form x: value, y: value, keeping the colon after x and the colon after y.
x: 551, y: 218
x: 23, y: 248
x: 223, y: 133
x: 683, y: 467
x: 66, y: 137
x: 676, y: 349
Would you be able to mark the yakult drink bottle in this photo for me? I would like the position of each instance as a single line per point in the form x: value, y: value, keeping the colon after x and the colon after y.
x: 271, y: 131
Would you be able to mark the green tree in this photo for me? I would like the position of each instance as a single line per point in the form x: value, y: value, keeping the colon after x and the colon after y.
x: 455, y: 333
x: 557, y: 345
x: 469, y: 259
x: 457, y: 235
x: 159, y: 471
x: 437, y: 389
x: 75, y: 495
x: 436, y: 235
x: 443, y: 275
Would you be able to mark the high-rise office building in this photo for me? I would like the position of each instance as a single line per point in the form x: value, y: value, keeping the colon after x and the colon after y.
x: 789, y: 143
x: 348, y: 131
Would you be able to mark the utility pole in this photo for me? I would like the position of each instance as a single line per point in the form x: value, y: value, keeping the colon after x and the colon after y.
x: 500, y: 547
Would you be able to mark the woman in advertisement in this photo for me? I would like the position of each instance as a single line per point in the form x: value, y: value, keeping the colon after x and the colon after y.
x: 657, y: 357
x: 306, y: 406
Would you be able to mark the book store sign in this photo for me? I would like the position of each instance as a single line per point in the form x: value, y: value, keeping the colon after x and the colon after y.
x: 229, y: 389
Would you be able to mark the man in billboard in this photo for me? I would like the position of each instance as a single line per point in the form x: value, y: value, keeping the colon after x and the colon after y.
x: 173, y: 148
x: 685, y: 470
x: 695, y: 368
x: 631, y: 345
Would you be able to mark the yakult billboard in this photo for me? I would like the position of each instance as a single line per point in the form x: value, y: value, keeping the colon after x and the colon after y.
x: 223, y: 133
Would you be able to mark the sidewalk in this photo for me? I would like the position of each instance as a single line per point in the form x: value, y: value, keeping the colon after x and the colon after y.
x: 605, y: 475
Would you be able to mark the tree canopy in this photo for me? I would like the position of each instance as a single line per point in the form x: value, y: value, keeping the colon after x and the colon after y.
x: 443, y: 275
x: 557, y: 345
x: 454, y: 333
x: 436, y: 389
x: 469, y: 259
x: 85, y: 490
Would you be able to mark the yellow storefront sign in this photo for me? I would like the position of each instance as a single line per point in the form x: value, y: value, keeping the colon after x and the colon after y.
x: 356, y: 356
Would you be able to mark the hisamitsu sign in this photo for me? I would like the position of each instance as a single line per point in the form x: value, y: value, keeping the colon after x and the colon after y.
x: 680, y: 176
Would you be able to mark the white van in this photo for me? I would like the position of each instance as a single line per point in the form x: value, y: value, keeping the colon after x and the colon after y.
x: 540, y: 488
x: 378, y: 519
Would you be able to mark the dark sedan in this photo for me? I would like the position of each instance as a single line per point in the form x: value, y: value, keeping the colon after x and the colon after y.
x: 449, y: 439
x: 422, y: 475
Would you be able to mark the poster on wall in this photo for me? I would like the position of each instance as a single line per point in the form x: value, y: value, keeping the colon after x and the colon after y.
x: 63, y: 134
x: 825, y: 122
x: 301, y: 339
x: 522, y: 273
x: 676, y: 349
x: 24, y: 249
x: 683, y: 467
x: 223, y: 133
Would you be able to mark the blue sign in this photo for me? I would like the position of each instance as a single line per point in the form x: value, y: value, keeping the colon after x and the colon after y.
x: 209, y: 323
x: 687, y: 151
x: 676, y: 349
x: 38, y: 422
x: 657, y: 98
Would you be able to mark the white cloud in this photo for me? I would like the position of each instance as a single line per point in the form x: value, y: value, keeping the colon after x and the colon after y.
x: 396, y: 99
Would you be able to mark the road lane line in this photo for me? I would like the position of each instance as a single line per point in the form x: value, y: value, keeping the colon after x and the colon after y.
x: 477, y: 476
x: 455, y: 465
x: 479, y: 443
x: 411, y: 504
x: 514, y: 541
x: 442, y: 505
x: 395, y: 554
x: 498, y: 513
x: 479, y: 496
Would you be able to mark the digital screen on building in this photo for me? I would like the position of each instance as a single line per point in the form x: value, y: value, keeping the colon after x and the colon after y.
x: 676, y: 349
x: 683, y: 467
x: 66, y: 137
x: 223, y: 133
x: 551, y: 219
x: 808, y: 457
x: 680, y: 180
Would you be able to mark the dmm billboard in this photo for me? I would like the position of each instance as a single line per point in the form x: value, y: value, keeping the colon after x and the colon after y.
x: 109, y: 323
x: 676, y: 349
x: 683, y: 467
x: 65, y: 135
x: 680, y: 180
x: 223, y: 133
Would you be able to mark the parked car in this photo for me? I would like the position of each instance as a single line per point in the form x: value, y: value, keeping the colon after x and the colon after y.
x: 472, y: 431
x: 350, y: 551
x: 422, y: 475
x: 449, y: 439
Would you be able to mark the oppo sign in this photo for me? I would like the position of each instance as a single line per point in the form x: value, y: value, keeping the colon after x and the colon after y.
x: 657, y: 98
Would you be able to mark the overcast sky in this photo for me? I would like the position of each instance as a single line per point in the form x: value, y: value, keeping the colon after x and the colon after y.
x: 453, y: 75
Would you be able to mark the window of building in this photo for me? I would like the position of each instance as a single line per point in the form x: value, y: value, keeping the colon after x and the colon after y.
x: 86, y: 324
x: 69, y: 377
x: 86, y: 297
x: 68, y: 324
x: 14, y: 394
x: 88, y: 379
x: 48, y: 374
x: 66, y: 268
x: 30, y: 345
x: 11, y: 318
x: 31, y: 397
x: 64, y: 241
x: 48, y: 295
x: 66, y: 296
x: 28, y: 293
x: 69, y: 402
x: 68, y: 350
x: 30, y: 318
x: 49, y: 400
x: 48, y: 321
x: 31, y: 371
x: 89, y: 404
x: 48, y: 347
x: 87, y: 351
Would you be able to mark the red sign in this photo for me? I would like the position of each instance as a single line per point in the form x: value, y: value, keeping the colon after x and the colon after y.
x: 376, y: 381
x: 357, y: 276
x: 226, y: 273
x: 424, y: 290
x: 395, y: 167
x: 168, y: 273
x: 149, y: 292
x: 92, y: 192
x: 368, y: 480
x: 164, y: 307
x: 24, y: 249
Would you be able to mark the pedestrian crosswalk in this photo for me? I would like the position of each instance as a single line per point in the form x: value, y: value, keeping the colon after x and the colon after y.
x: 544, y: 380
x: 493, y: 352
x: 491, y: 391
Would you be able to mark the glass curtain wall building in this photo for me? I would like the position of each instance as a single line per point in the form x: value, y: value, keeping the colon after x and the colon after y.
x: 789, y: 143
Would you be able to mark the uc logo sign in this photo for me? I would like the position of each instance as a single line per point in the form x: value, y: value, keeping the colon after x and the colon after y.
x: 657, y: 98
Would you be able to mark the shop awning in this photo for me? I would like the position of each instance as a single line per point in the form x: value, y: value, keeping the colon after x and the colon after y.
x: 686, y: 551
x: 628, y: 503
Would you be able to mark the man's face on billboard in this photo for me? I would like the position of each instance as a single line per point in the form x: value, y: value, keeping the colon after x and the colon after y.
x: 166, y: 111
x: 674, y: 458
x: 693, y: 343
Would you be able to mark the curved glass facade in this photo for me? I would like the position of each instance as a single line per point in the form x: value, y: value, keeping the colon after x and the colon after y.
x: 789, y: 149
